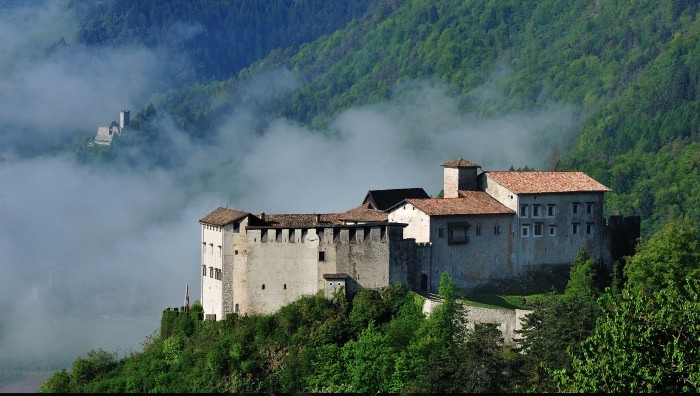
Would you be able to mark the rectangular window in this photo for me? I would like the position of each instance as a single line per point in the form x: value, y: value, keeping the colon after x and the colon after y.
x: 204, y: 270
x: 552, y: 230
x: 536, y: 211
x: 589, y: 207
x: 574, y: 230
x: 211, y: 272
x: 523, y: 210
x: 478, y: 230
x: 589, y: 228
x: 365, y: 234
x: 321, y: 256
x: 525, y: 230
x: 236, y: 228
x: 574, y: 207
x: 382, y: 235
x: 353, y: 235
x: 538, y: 229
x: 441, y: 232
x: 551, y: 210
x: 496, y: 229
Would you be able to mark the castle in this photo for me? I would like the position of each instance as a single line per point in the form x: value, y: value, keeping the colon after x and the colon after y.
x: 488, y: 225
x: 105, y: 133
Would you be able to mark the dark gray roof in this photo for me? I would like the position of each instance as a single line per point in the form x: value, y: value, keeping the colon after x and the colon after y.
x: 385, y: 199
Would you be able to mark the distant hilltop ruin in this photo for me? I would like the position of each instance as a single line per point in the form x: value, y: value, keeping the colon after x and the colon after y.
x: 105, y: 133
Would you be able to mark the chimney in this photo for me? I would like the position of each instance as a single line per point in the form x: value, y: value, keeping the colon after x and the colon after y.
x: 459, y: 175
x: 262, y: 216
x: 318, y: 218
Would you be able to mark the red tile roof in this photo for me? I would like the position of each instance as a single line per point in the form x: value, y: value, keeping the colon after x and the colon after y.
x: 301, y: 220
x: 469, y: 203
x: 534, y: 182
x: 460, y: 163
x: 222, y: 216
x: 364, y: 213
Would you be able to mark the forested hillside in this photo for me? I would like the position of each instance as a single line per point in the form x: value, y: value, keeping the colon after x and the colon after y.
x: 214, y: 39
x: 630, y: 69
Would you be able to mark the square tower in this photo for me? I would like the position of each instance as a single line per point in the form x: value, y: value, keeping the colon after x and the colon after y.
x: 459, y: 175
x: 124, y: 116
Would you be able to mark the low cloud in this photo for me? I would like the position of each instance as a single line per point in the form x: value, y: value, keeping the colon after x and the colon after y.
x: 91, y: 254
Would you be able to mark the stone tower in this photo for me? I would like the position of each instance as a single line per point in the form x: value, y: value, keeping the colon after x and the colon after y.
x: 459, y: 175
x: 124, y: 116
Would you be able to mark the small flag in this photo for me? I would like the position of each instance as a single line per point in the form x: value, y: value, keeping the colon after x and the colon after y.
x: 187, y: 297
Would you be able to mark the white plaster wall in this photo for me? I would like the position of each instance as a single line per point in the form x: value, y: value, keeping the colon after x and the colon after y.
x: 497, y: 191
x: 418, y: 222
x: 212, y: 256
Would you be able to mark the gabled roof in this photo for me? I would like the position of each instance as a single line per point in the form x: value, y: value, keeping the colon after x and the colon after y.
x: 535, y: 182
x: 222, y: 216
x: 301, y: 220
x: 364, y: 213
x: 460, y: 163
x: 385, y: 199
x: 469, y: 203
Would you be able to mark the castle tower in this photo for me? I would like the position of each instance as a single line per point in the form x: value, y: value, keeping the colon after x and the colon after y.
x: 459, y: 175
x: 124, y: 116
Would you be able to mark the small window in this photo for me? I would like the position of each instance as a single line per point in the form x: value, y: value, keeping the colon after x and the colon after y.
x: 536, y: 211
x: 236, y: 228
x: 321, y: 256
x: 204, y: 270
x: 235, y: 252
x: 353, y: 235
x: 574, y: 207
x: 478, y: 230
x: 497, y: 230
x: 285, y: 286
x: 589, y: 228
x: 538, y: 229
x: 441, y: 232
x: 574, y: 230
x: 552, y: 230
x: 366, y: 234
x: 523, y: 210
x: 551, y: 210
x: 382, y: 234
x: 263, y: 286
x: 211, y: 272
x: 589, y: 207
x: 263, y: 236
x: 525, y: 230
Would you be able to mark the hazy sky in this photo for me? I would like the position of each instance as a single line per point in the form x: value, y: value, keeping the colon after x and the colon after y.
x: 89, y: 256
